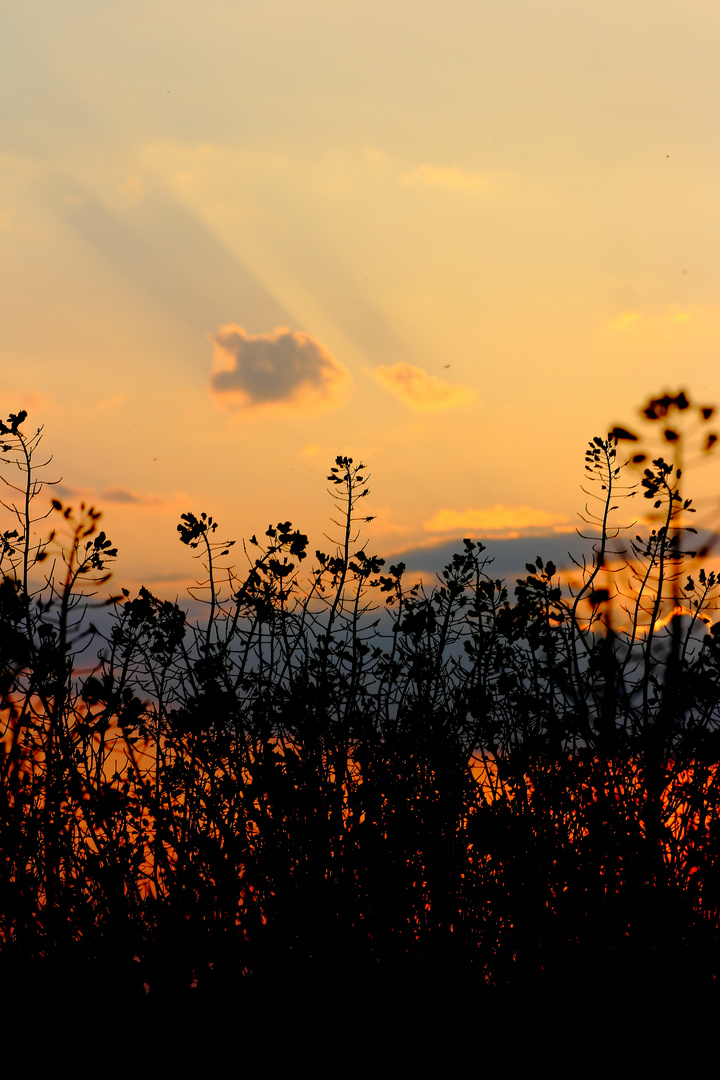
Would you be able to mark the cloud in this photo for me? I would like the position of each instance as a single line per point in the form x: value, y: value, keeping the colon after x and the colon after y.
x: 310, y: 450
x: 64, y: 491
x: 124, y: 495
x: 284, y: 367
x: 444, y: 176
x: 509, y: 554
x: 625, y: 320
x: 415, y: 388
x: 112, y: 402
x: 383, y: 523
x: 497, y: 518
x: 672, y: 315
x: 112, y: 494
x: 14, y: 398
x: 132, y: 189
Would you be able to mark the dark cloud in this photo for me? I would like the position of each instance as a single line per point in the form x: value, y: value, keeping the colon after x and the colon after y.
x: 510, y: 554
x: 284, y: 366
x: 123, y: 495
x: 109, y: 495
x: 65, y: 492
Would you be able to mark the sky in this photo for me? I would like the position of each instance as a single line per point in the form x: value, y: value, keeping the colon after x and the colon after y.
x: 453, y: 240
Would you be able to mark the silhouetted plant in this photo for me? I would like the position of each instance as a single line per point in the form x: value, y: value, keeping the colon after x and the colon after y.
x: 343, y: 777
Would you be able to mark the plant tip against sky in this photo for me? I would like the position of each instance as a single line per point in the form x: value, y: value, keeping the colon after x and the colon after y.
x: 457, y: 240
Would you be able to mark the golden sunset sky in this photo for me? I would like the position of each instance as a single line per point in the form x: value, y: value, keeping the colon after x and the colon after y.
x: 456, y: 240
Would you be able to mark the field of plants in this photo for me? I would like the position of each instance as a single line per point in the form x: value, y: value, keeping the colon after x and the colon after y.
x: 336, y: 778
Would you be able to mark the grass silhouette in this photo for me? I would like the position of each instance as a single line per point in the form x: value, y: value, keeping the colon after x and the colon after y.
x: 344, y: 785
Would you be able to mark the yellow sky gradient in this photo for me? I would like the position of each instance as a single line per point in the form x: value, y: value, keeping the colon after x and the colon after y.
x: 454, y: 240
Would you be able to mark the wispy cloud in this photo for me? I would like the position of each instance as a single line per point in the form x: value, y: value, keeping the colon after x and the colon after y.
x: 284, y: 367
x: 445, y: 177
x: 124, y: 495
x: 14, y: 398
x: 310, y: 450
x: 65, y: 491
x: 112, y: 494
x: 132, y: 189
x: 417, y: 389
x: 625, y: 320
x: 384, y: 524
x: 112, y: 402
x: 493, y: 519
x: 654, y: 320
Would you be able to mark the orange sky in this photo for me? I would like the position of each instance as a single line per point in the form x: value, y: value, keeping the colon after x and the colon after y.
x: 455, y: 240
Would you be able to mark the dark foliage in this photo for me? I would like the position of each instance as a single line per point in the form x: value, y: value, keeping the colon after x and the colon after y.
x: 341, y: 781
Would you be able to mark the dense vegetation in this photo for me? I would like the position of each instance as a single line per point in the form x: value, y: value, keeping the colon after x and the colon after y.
x: 339, y: 778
